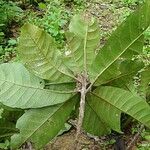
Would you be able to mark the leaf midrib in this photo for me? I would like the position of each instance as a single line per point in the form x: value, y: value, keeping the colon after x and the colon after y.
x: 38, y: 88
x: 44, y: 121
x: 119, y: 76
x: 85, y: 55
x: 116, y: 58
x: 98, y: 116
x: 98, y: 96
x: 30, y: 36
x: 107, y: 101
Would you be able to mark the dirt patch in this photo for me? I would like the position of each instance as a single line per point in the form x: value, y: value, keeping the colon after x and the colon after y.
x: 66, y: 142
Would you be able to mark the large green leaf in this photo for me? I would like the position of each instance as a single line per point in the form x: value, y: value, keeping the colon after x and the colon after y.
x: 83, y: 38
x: 93, y: 123
x: 111, y: 73
x: 41, y: 125
x: 126, y: 102
x: 38, y: 51
x: 120, y: 73
x: 21, y: 89
x: 110, y: 116
x: 128, y: 69
x: 121, y: 40
x: 135, y: 49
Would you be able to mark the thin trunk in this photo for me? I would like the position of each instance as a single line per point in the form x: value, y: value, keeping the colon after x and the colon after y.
x: 81, y: 111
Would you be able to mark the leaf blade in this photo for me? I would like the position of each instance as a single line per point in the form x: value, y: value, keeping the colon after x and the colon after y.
x: 126, y: 102
x: 128, y: 69
x: 83, y: 39
x: 125, y: 36
x: 92, y: 122
x: 21, y: 89
x: 41, y: 55
x: 110, y: 116
x: 135, y: 49
x: 46, y: 121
